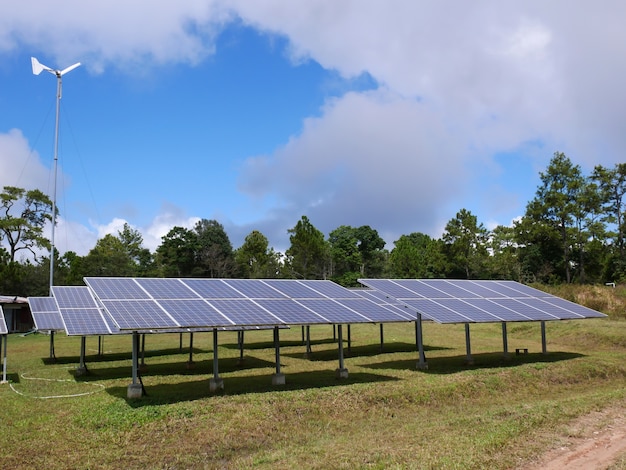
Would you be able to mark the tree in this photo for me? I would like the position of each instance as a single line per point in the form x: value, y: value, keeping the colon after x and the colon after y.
x: 176, y: 255
x: 555, y: 205
x: 132, y: 240
x: 612, y: 187
x: 465, y: 245
x: 108, y: 258
x: 371, y: 246
x: 24, y: 215
x: 214, y: 256
x: 417, y: 256
x: 308, y: 254
x: 345, y: 258
x: 255, y: 259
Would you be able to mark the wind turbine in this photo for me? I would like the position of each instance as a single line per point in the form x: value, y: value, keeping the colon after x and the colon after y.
x: 37, y: 69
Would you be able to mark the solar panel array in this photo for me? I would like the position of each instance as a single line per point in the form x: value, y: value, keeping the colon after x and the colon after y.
x: 46, y: 315
x: 80, y: 312
x: 166, y: 303
x: 467, y: 301
x: 3, y: 325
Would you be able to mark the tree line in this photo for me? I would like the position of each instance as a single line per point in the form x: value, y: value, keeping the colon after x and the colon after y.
x: 572, y: 231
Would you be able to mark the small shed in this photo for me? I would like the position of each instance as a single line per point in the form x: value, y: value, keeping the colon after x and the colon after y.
x: 16, y: 313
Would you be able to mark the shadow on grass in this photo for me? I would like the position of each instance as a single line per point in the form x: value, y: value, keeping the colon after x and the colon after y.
x: 365, y: 350
x: 270, y: 344
x: 204, y: 367
x: 454, y: 364
x: 163, y: 394
x: 125, y: 356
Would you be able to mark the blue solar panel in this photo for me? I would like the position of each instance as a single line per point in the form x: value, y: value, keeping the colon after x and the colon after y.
x: 290, y: 312
x: 73, y: 297
x: 333, y: 311
x: 371, y: 310
x: 194, y: 312
x: 294, y: 289
x: 254, y: 289
x: 84, y: 321
x: 473, y: 313
x: 45, y: 313
x: 523, y: 309
x: 389, y: 303
x: 212, y: 289
x: 551, y: 309
x: 506, y: 289
x: 138, y: 314
x: 3, y: 326
x: 573, y: 307
x: 454, y: 301
x: 244, y: 312
x: 111, y: 288
x: 433, y: 310
x: 162, y: 288
x: 330, y: 289
x: 499, y: 311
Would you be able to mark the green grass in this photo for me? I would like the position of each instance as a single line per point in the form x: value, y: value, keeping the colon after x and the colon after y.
x: 498, y: 413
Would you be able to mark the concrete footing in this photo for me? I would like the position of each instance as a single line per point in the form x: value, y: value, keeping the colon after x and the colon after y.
x: 80, y: 371
x: 341, y: 373
x: 278, y: 379
x: 134, y: 391
x: 422, y: 366
x: 216, y: 385
x: 190, y: 365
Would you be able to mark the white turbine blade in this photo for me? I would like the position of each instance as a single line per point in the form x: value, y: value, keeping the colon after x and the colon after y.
x: 70, y: 68
x: 39, y: 67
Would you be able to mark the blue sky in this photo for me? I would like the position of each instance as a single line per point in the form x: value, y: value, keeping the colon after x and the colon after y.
x: 394, y: 115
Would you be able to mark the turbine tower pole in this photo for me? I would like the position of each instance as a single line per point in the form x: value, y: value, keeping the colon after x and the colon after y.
x: 37, y: 69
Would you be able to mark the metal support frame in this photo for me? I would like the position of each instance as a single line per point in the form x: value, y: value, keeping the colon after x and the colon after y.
x: 190, y: 362
x: 143, y: 350
x: 278, y: 378
x: 381, y: 337
x: 341, y: 372
x: 82, y: 368
x: 240, y: 342
x: 52, y: 356
x: 4, y: 339
x: 308, y: 341
x: 100, y: 345
x: 135, y: 389
x: 544, y: 348
x: 349, y: 339
x: 505, y: 340
x: 421, y: 364
x: 216, y: 383
x: 468, y: 346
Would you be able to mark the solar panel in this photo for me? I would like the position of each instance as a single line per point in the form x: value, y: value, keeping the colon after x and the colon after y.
x: 456, y: 301
x: 80, y: 313
x: 329, y: 289
x: 110, y: 288
x: 254, y: 289
x: 244, y: 312
x: 212, y: 288
x: 291, y: 312
x: 3, y: 325
x: 45, y: 313
x: 334, y: 311
x: 371, y: 310
x: 139, y: 314
x: 194, y: 312
x: 162, y: 288
x: 293, y: 288
x: 381, y: 299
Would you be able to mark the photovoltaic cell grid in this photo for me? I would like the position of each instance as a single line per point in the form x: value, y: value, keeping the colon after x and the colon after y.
x: 46, y: 315
x: 80, y: 313
x: 466, y: 301
x: 157, y: 303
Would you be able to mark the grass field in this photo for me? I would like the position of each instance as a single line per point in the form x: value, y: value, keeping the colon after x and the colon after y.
x: 498, y: 413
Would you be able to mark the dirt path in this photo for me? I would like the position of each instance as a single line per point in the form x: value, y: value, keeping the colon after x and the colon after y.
x: 595, y: 441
